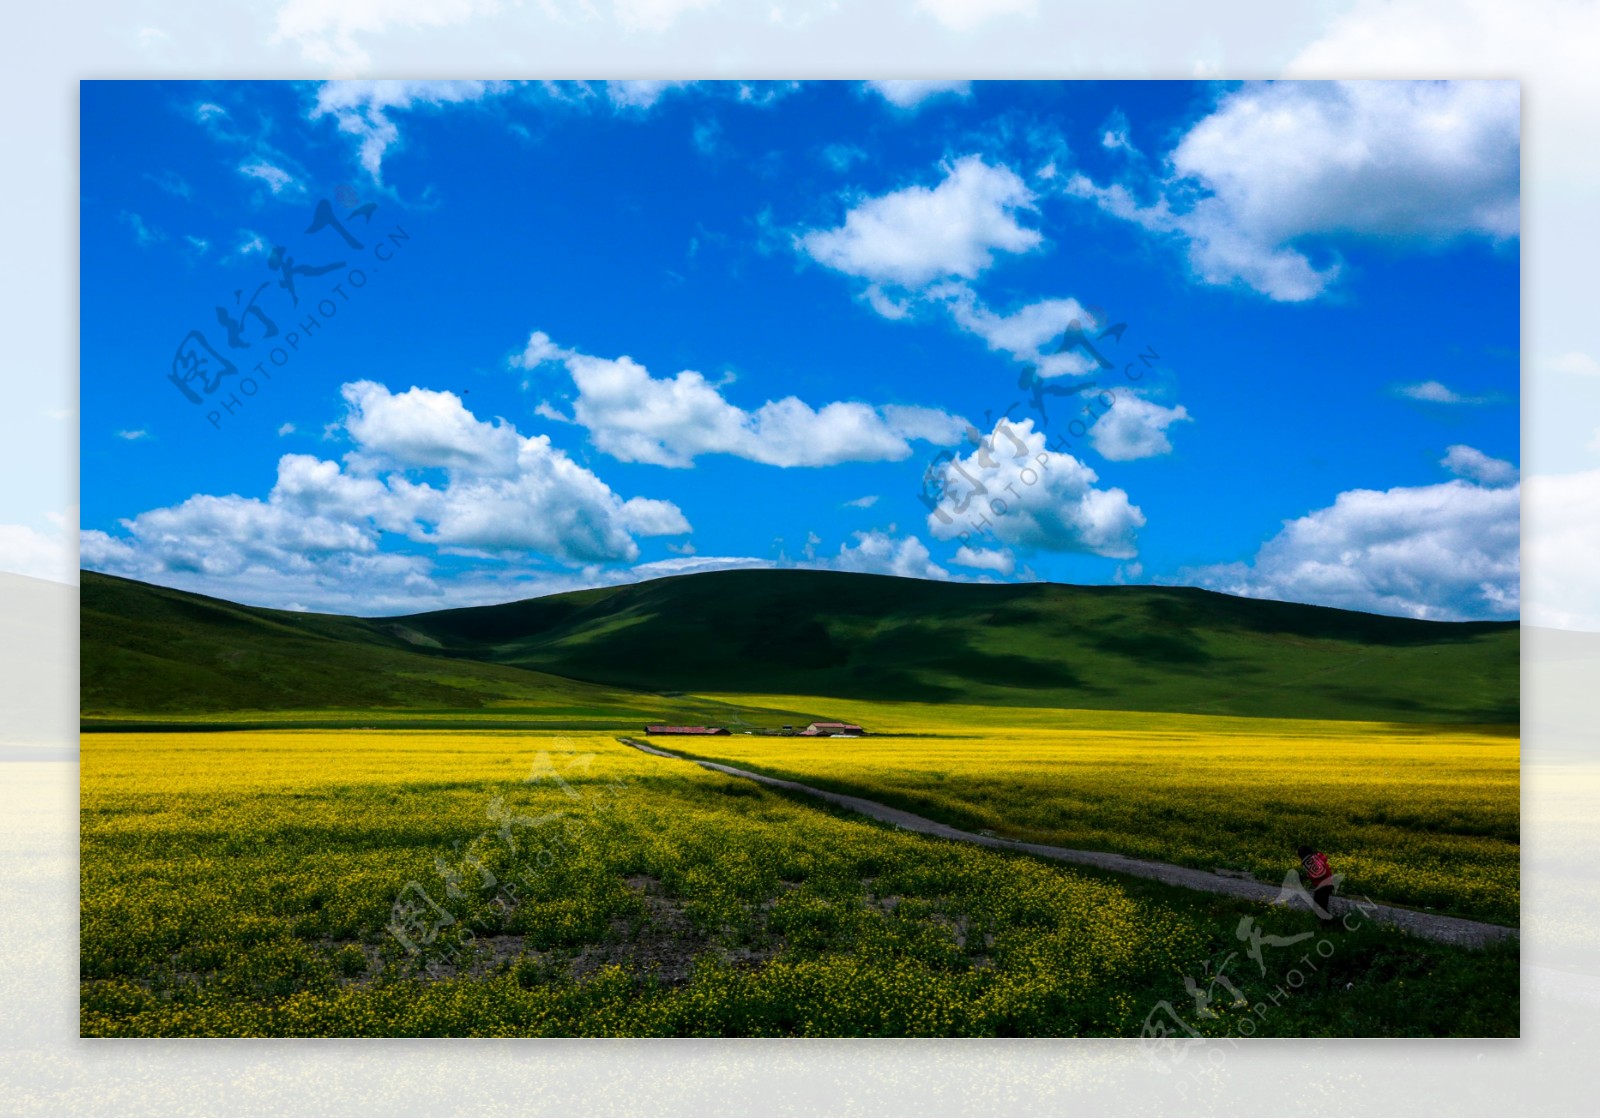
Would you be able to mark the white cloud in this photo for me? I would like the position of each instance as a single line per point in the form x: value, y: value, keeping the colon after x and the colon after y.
x: 363, y: 109
x: 998, y: 560
x: 1026, y: 333
x: 882, y: 554
x: 641, y: 94
x: 142, y: 232
x: 1444, y: 552
x: 967, y: 15
x: 286, y: 429
x: 322, y: 524
x: 916, y: 235
x: 427, y: 429
x: 1033, y: 498
x: 866, y: 502
x: 1134, y: 428
x: 670, y: 421
x: 1435, y: 392
x: 1576, y: 363
x: 137, y: 433
x: 1275, y: 166
x: 1475, y: 466
x: 1114, y: 134
x: 911, y: 94
x: 249, y: 243
x: 691, y: 564
x: 276, y: 178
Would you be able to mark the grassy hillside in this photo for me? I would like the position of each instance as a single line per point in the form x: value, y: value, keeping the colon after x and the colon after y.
x: 151, y: 651
x: 798, y: 633
x: 880, y: 638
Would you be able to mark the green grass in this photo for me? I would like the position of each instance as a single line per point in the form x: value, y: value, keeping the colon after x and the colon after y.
x: 793, y: 633
x: 158, y: 657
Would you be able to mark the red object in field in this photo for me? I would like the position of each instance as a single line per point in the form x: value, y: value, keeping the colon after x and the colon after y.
x: 657, y: 728
x: 1316, y: 865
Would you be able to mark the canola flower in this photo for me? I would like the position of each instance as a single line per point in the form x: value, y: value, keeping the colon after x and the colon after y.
x: 248, y: 884
x: 1419, y: 815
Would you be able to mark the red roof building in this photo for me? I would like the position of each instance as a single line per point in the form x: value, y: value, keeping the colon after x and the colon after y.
x: 659, y: 728
x: 834, y: 729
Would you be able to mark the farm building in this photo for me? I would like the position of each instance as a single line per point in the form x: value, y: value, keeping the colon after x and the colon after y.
x: 658, y: 728
x: 834, y: 730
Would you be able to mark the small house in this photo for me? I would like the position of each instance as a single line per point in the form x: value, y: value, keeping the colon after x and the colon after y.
x: 661, y: 728
x: 833, y: 730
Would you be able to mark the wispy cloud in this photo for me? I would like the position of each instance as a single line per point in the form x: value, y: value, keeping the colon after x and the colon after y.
x: 911, y: 94
x: 1436, y: 392
x: 142, y: 232
x: 276, y: 178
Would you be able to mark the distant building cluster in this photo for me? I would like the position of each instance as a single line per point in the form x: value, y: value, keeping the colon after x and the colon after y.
x: 834, y: 730
x: 814, y: 730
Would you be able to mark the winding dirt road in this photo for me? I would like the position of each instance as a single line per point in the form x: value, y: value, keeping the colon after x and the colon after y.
x: 1430, y: 926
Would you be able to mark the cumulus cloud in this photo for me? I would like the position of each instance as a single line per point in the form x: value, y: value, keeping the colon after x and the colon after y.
x: 1277, y: 169
x: 363, y: 109
x: 998, y: 560
x: 882, y: 554
x: 1475, y: 466
x: 1134, y: 428
x: 500, y: 495
x: 1446, y: 552
x: 1032, y: 497
x: 1027, y: 334
x: 916, y: 235
x: 911, y: 94
x: 670, y: 421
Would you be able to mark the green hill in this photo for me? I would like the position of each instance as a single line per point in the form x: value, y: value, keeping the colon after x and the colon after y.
x: 821, y: 633
x: 150, y: 651
x: 612, y: 652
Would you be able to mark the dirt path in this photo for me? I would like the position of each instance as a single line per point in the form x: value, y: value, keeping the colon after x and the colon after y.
x: 1431, y: 926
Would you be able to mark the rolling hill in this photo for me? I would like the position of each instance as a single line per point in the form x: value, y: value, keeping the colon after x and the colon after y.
x: 802, y: 633
x: 150, y: 651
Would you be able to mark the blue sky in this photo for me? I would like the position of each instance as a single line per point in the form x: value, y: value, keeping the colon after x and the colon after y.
x: 609, y: 332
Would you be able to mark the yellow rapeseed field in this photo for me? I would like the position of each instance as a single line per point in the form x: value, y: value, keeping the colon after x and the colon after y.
x: 1411, y: 814
x: 413, y: 883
